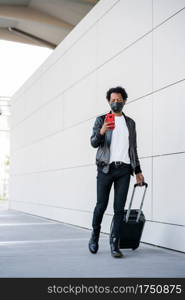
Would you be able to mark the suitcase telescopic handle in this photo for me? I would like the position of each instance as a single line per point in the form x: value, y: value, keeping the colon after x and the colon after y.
x: 143, y: 183
x: 129, y: 209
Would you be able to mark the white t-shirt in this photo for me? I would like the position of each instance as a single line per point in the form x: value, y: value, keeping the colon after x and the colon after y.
x: 120, y: 141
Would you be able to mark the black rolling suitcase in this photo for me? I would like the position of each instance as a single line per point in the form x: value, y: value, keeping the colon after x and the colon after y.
x: 133, y: 223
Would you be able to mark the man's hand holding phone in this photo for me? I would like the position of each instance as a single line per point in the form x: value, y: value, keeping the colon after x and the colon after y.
x: 109, y: 124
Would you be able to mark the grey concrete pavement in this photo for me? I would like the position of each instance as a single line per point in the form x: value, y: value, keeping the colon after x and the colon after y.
x: 32, y: 246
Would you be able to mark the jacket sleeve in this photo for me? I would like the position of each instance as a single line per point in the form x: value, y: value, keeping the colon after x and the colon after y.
x: 138, y: 167
x: 96, y: 138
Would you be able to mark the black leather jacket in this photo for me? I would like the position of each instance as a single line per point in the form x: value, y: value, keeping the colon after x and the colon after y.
x: 103, y: 143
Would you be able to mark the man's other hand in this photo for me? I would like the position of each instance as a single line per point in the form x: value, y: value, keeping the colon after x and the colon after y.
x: 139, y: 178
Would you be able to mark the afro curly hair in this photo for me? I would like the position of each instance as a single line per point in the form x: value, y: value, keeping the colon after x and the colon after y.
x: 117, y: 89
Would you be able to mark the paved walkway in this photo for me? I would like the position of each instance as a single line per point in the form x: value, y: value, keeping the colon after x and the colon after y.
x: 32, y: 246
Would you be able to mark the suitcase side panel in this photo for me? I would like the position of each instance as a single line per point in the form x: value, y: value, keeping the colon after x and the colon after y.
x: 131, y: 231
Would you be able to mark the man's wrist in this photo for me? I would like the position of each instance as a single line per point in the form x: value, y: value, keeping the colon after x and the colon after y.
x: 102, y: 133
x: 138, y: 170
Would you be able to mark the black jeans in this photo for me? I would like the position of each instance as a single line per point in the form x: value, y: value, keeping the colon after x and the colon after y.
x: 121, y: 177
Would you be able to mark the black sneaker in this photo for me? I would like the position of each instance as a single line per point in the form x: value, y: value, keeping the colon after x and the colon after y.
x: 93, y: 242
x: 114, y: 246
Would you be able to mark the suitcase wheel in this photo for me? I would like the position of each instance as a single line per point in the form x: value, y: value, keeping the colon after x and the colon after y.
x: 135, y: 247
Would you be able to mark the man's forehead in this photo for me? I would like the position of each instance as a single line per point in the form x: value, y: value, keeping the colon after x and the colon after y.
x: 116, y: 95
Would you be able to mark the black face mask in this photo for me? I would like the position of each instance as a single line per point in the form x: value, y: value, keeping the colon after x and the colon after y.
x: 117, y: 106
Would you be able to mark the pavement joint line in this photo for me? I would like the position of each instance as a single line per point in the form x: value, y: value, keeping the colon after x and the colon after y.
x: 45, y: 241
x: 16, y: 215
x: 28, y: 224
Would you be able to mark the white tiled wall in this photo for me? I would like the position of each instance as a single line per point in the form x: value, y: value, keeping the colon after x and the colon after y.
x: 136, y: 44
x: 168, y: 51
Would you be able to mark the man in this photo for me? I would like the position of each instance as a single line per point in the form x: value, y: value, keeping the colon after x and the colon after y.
x: 116, y: 161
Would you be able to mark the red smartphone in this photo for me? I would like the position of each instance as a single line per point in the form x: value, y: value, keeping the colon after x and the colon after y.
x: 111, y: 118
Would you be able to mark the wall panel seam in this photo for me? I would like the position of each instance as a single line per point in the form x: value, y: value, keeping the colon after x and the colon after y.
x: 89, y: 211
